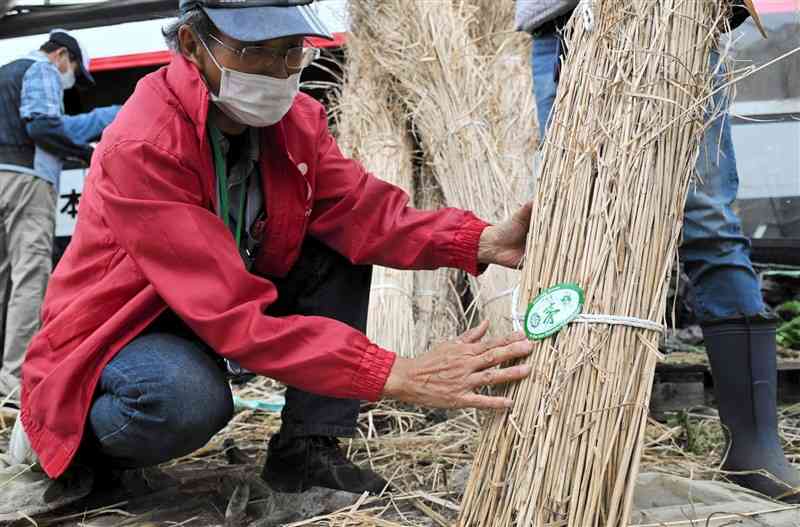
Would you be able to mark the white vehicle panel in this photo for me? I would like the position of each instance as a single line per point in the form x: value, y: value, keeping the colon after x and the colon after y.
x: 69, y: 193
x: 145, y: 37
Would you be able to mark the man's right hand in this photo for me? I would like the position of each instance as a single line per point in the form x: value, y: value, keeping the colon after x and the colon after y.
x: 448, y: 375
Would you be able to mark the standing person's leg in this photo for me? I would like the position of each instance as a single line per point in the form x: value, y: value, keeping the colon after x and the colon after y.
x: 161, y: 397
x: 726, y: 297
x: 305, y: 453
x: 715, y: 252
x: 5, y: 266
x: 29, y: 224
x: 544, y: 58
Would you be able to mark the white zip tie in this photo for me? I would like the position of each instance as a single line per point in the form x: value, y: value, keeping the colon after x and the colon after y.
x: 586, y: 8
x: 612, y: 320
x: 397, y: 288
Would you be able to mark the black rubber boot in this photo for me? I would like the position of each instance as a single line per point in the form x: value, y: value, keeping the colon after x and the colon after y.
x: 297, y: 464
x: 744, y: 366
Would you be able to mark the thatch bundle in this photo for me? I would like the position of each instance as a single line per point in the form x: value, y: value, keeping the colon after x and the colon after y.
x: 490, y: 24
x: 617, y: 162
x: 476, y: 128
x: 439, y: 314
x: 465, y: 89
x: 373, y: 131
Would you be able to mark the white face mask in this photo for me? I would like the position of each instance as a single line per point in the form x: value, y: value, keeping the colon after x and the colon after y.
x: 67, y: 79
x: 254, y: 100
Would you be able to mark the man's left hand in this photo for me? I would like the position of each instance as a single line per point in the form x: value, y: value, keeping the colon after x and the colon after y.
x: 504, y: 243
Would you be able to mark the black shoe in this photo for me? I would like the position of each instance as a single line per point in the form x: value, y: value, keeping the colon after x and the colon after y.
x: 297, y: 464
x: 742, y: 353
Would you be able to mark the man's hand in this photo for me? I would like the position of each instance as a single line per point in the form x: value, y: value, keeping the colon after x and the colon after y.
x: 504, y: 244
x: 449, y: 374
x: 740, y: 11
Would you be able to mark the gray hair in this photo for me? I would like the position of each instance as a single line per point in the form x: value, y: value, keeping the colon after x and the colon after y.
x: 196, y: 19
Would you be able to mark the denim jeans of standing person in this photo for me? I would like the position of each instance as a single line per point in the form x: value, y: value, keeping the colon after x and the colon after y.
x: 166, y: 393
x: 714, y: 252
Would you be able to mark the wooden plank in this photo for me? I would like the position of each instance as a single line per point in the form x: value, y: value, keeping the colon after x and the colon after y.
x: 670, y: 396
x: 702, y: 366
x: 788, y: 364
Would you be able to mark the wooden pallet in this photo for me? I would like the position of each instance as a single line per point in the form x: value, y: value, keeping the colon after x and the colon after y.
x: 680, y: 385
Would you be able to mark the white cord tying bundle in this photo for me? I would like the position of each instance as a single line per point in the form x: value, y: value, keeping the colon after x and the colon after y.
x: 617, y: 320
x: 398, y: 289
x: 516, y: 320
x: 612, y: 320
x: 391, y: 287
x: 499, y: 296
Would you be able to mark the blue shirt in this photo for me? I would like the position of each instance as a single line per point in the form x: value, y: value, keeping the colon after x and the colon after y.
x: 43, y: 95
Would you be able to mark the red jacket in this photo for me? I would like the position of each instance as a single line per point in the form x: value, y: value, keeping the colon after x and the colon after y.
x: 148, y: 238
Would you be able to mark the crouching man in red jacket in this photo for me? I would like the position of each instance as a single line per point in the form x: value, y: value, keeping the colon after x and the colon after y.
x: 221, y: 228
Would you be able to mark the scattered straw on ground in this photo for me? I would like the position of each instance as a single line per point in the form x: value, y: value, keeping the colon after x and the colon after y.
x: 427, y: 455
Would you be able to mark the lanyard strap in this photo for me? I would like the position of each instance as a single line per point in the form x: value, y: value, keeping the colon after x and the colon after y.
x: 221, y: 170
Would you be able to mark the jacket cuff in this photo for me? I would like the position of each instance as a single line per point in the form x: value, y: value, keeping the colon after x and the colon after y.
x: 372, y: 373
x: 464, y: 250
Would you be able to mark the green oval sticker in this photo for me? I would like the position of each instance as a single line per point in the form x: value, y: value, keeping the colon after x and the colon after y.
x: 553, y: 309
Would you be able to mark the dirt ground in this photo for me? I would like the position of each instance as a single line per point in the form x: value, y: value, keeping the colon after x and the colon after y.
x: 425, y: 454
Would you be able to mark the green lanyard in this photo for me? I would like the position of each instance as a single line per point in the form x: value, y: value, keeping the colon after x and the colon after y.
x: 221, y: 169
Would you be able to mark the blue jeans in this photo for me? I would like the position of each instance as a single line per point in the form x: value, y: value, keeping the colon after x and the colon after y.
x: 714, y: 252
x: 160, y: 398
x: 166, y: 393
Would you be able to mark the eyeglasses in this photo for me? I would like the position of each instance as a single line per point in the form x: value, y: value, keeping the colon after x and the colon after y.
x: 295, y: 58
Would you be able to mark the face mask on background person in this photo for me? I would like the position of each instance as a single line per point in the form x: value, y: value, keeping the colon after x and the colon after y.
x: 68, y: 79
x: 68, y: 76
x: 254, y: 100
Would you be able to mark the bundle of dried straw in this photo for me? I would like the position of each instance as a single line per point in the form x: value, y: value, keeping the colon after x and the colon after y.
x: 438, y: 312
x: 373, y: 130
x: 490, y: 23
x: 476, y: 127
x: 617, y: 163
x: 477, y: 143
